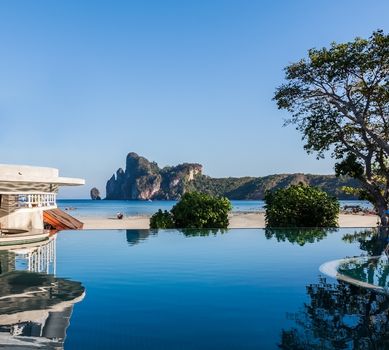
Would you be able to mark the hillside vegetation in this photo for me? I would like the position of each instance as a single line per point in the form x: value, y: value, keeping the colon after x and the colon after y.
x: 143, y: 179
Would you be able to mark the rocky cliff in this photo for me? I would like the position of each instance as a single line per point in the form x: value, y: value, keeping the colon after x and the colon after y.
x: 143, y: 179
x: 95, y: 194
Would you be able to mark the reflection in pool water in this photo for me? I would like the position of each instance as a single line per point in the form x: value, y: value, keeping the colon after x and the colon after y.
x: 190, y: 289
x: 371, y: 270
x: 137, y: 236
x: 369, y: 241
x: 35, y: 305
x: 33, y: 257
x: 299, y: 236
x: 339, y: 316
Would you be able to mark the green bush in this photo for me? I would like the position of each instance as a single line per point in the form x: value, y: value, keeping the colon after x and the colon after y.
x: 199, y: 210
x: 301, y: 206
x: 161, y: 219
x: 194, y: 210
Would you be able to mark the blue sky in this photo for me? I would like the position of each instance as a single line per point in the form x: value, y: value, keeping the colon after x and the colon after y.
x: 82, y: 83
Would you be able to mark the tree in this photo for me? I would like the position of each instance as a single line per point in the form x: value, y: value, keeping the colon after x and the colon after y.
x: 162, y: 219
x: 199, y: 210
x: 339, y: 101
x: 301, y: 206
x: 195, y: 211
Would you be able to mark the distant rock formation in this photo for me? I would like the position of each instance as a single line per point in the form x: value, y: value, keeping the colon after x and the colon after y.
x: 143, y: 179
x: 95, y: 194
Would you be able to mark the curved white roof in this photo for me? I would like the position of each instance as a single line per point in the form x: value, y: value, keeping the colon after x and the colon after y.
x: 32, y: 174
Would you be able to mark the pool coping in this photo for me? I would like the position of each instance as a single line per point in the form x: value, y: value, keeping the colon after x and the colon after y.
x: 329, y: 268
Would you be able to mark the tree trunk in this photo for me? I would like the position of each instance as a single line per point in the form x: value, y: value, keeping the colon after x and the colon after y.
x: 383, y: 228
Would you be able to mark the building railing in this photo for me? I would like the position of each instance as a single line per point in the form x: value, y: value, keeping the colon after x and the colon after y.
x: 36, y: 200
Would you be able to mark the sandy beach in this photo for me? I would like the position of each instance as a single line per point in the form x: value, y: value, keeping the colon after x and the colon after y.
x: 237, y: 220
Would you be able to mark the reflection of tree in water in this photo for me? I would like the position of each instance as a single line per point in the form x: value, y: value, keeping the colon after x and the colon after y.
x: 339, y: 316
x: 371, y: 270
x: 138, y: 236
x: 369, y: 241
x: 374, y: 271
x: 192, y: 232
x: 300, y: 236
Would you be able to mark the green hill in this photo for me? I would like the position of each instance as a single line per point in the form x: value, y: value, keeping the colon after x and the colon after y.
x: 143, y: 179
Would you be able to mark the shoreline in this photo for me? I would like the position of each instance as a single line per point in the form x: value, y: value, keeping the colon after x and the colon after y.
x: 237, y: 220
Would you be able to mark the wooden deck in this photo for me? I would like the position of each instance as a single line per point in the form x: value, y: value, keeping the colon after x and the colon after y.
x: 59, y: 220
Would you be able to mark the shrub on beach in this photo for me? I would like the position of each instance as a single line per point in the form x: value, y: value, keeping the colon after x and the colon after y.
x: 195, y: 210
x: 199, y: 210
x: 301, y: 206
x: 161, y: 219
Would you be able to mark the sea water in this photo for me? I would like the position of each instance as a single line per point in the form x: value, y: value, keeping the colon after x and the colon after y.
x: 82, y: 208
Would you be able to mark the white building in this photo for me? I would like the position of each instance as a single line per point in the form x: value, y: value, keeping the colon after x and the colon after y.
x: 28, y: 200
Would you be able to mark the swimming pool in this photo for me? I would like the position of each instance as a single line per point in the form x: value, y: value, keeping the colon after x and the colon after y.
x: 237, y: 289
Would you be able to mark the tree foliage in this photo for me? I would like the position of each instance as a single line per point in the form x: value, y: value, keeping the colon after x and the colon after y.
x: 198, y: 210
x: 162, y: 219
x: 195, y: 210
x: 339, y: 99
x: 301, y: 206
x: 256, y: 187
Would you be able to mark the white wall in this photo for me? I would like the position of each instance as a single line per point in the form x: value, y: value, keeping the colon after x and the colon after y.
x: 23, y: 219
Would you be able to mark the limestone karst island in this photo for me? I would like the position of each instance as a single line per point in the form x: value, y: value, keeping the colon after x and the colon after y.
x: 144, y: 179
x: 195, y: 175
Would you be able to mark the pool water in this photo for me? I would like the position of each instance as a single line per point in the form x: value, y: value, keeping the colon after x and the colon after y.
x: 371, y: 270
x: 237, y: 289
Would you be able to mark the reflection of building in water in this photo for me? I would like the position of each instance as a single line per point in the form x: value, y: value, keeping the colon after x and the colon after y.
x: 35, y: 306
x: 40, y: 258
x: 33, y: 257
